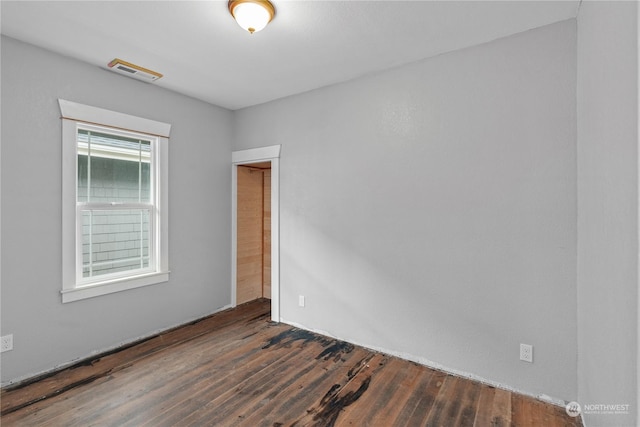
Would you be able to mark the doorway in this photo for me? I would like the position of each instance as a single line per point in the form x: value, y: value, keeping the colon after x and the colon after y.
x: 266, y: 265
x: 253, y: 262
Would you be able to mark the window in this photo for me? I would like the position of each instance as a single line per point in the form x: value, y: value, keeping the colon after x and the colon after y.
x: 114, y: 201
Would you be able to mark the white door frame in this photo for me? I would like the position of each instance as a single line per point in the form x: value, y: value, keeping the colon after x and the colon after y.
x: 246, y: 157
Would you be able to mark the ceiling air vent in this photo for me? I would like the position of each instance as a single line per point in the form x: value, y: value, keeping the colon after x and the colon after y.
x: 132, y: 70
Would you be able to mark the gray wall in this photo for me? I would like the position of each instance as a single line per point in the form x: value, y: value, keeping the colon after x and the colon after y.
x: 46, y: 332
x: 608, y: 209
x: 431, y: 209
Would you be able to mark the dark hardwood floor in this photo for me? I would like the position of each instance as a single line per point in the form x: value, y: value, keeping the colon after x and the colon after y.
x: 237, y: 368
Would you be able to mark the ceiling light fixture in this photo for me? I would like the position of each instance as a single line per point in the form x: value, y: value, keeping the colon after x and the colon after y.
x: 252, y: 15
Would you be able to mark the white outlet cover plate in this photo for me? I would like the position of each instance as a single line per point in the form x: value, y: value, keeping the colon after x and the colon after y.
x: 6, y: 343
x: 526, y: 352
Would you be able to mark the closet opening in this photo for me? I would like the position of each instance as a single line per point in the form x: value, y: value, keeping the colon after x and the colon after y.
x: 253, y: 247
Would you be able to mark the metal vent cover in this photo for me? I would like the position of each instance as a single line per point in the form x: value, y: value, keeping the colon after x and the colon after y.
x: 131, y: 70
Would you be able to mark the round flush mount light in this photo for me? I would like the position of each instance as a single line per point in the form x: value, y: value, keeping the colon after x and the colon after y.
x: 252, y: 15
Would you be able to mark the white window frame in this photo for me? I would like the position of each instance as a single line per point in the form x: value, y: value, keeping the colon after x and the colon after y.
x: 74, y: 116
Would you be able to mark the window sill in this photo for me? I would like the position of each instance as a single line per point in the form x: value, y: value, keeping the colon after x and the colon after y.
x: 112, y: 286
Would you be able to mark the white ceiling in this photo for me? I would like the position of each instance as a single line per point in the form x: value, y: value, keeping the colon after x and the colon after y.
x: 203, y: 53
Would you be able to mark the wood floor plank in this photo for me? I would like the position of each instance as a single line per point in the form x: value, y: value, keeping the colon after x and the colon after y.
x: 397, y: 394
x: 91, y: 405
x: 326, y: 352
x: 469, y: 394
x: 427, y: 399
x: 220, y: 381
x: 289, y: 402
x: 485, y: 400
x: 520, y: 412
x: 169, y: 375
x: 285, y: 384
x: 363, y: 410
x: 419, y: 401
x: 15, y: 397
x: 326, y: 410
x: 528, y: 411
x: 239, y: 369
x: 248, y: 390
x: 173, y: 390
x: 501, y: 408
x: 452, y: 402
x: 436, y: 415
x: 393, y: 385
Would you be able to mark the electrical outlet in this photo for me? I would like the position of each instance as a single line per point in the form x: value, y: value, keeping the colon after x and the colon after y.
x: 6, y: 343
x: 301, y: 300
x: 526, y: 352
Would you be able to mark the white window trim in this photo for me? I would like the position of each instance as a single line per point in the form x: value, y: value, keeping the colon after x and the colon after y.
x: 72, y: 114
